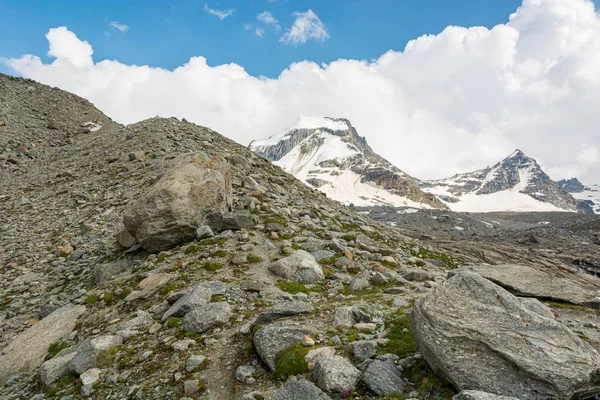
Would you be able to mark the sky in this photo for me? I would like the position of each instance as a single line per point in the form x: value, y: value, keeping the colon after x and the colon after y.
x: 436, y: 87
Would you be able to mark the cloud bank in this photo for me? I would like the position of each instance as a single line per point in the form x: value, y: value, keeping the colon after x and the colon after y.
x: 447, y: 103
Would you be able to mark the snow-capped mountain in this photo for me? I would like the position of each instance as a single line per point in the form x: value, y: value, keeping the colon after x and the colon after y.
x: 517, y: 183
x: 587, y: 196
x: 328, y: 154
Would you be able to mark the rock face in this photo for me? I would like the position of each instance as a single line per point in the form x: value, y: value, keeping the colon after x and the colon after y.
x: 299, y: 389
x: 522, y: 280
x: 299, y: 267
x: 383, y: 378
x: 479, y: 336
x: 327, y: 153
x: 27, y: 351
x: 196, y: 191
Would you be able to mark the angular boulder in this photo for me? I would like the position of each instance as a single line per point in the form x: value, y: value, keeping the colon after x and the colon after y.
x: 480, y: 337
x: 199, y: 296
x: 283, y: 309
x: 383, y: 378
x: 299, y: 267
x: 28, y: 350
x: 336, y: 374
x: 477, y: 395
x: 196, y: 191
x: 271, y: 339
x: 203, y: 318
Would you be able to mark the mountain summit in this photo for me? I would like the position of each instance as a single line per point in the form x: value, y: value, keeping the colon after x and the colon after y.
x: 328, y: 153
x: 516, y: 183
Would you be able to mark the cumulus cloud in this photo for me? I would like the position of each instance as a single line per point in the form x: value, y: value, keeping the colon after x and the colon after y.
x: 447, y: 103
x: 307, y: 26
x: 267, y: 18
x: 121, y: 27
x: 260, y: 32
x: 221, y: 14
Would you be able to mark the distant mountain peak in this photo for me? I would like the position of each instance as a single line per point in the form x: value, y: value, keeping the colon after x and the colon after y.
x: 329, y: 154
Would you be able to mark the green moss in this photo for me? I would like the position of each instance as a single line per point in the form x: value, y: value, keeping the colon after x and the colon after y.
x: 213, y: 241
x: 169, y: 287
x: 348, y: 227
x: 427, y: 383
x: 389, y: 264
x: 562, y: 304
x: 91, y: 299
x: 253, y: 258
x: 219, y: 254
x: 56, y: 347
x: 330, y: 260
x: 296, y: 246
x: 212, y: 265
x: 125, y: 292
x: 276, y: 220
x: 294, y: 287
x: 400, y: 338
x: 173, y: 322
x: 162, y: 257
x: 349, y: 238
x: 106, y: 358
x: 291, y: 361
x: 108, y: 297
x: 193, y: 248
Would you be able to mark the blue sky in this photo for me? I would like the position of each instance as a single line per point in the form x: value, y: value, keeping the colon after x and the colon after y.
x: 167, y: 34
x: 478, y: 86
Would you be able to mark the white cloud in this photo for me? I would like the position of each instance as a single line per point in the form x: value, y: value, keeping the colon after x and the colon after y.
x: 221, y: 14
x: 260, y: 32
x: 306, y: 26
x: 267, y: 18
x: 121, y: 27
x: 447, y: 103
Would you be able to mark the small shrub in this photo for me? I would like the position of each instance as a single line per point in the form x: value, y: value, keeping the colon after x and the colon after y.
x: 213, y: 241
x: 108, y: 297
x: 107, y: 357
x: 253, y: 258
x: 173, y: 322
x: 91, y: 299
x: 219, y: 254
x: 212, y: 265
x: 193, y: 248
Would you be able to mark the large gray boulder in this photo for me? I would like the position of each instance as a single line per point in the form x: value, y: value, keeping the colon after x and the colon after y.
x: 300, y: 267
x: 206, y: 317
x: 87, y: 352
x: 480, y: 337
x: 383, y: 378
x: 543, y: 282
x: 271, y: 339
x: 298, y: 389
x: 283, y: 309
x: 28, y: 350
x: 336, y: 374
x: 196, y: 191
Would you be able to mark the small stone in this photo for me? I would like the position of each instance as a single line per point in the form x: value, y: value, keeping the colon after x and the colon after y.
x: 244, y: 372
x: 194, y: 362
x: 365, y: 327
x: 307, y: 341
x: 64, y: 251
x: 191, y: 387
x: 90, y: 376
x: 183, y: 345
x: 314, y: 355
x: 204, y: 232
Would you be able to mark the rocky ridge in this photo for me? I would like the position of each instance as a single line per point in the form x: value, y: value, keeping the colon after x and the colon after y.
x: 123, y: 278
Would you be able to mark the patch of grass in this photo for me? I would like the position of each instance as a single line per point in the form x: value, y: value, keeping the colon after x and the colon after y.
x: 401, y: 341
x: 213, y: 241
x: 212, y: 265
x: 106, y: 358
x: 349, y: 238
x: 424, y: 253
x: 57, y: 347
x: 389, y: 264
x: 330, y: 260
x: 562, y: 304
x: 290, y: 361
x: 173, y: 322
x: 253, y: 258
x: 165, y: 290
x: 294, y: 287
x: 192, y: 249
x: 219, y: 254
x: 108, y: 297
x: 276, y: 220
x: 162, y: 257
x: 91, y: 299
x: 296, y: 246
x: 427, y: 383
